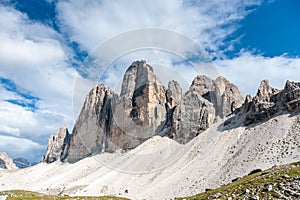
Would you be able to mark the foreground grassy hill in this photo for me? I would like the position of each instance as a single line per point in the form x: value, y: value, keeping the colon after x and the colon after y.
x: 27, y: 195
x: 278, y: 182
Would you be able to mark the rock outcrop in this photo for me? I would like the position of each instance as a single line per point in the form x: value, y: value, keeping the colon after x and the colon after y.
x: 56, y: 145
x: 6, y: 162
x: 21, y: 163
x: 141, y: 111
x: 92, y: 126
x: 291, y: 94
x: 202, y: 104
x: 267, y: 103
x: 109, y: 122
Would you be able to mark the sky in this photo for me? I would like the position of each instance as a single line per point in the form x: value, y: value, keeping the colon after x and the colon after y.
x: 46, y: 46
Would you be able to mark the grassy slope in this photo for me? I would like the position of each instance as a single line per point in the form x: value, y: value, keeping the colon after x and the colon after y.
x: 27, y: 195
x: 257, y: 184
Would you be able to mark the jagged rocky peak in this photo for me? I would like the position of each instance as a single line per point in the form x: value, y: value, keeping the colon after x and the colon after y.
x: 206, y: 100
x: 93, y: 125
x: 144, y: 95
x: 56, y: 145
x: 228, y: 97
x: 6, y: 162
x: 270, y: 102
x: 109, y: 122
x: 224, y: 95
x: 196, y: 115
x: 173, y: 94
x: 292, y: 95
x: 265, y: 91
x: 141, y: 111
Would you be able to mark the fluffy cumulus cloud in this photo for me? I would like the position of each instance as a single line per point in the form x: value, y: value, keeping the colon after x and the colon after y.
x: 209, y: 23
x: 36, y: 81
x: 22, y: 147
x: 90, y: 22
x: 248, y: 70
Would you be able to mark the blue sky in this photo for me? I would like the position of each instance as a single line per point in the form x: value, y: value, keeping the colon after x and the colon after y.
x: 44, y: 42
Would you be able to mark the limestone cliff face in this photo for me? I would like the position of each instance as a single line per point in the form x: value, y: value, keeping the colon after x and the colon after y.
x: 6, y: 162
x: 228, y: 97
x: 92, y: 126
x: 199, y: 107
x: 139, y: 113
x: 142, y: 103
x: 291, y: 95
x: 56, y: 145
x: 197, y: 114
x: 109, y: 122
x: 224, y: 95
x: 267, y: 103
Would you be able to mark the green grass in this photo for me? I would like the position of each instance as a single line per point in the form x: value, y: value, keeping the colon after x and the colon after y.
x: 28, y: 195
x: 255, y: 182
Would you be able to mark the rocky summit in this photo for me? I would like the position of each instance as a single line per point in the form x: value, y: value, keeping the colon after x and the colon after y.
x: 109, y: 122
x: 267, y: 103
x: 56, y: 145
x: 6, y: 162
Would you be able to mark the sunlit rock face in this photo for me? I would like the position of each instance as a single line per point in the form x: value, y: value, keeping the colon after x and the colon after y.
x: 198, y: 108
x: 109, y: 122
x: 56, y: 145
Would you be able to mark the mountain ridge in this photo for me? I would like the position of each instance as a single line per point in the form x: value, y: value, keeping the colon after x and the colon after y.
x: 109, y: 122
x: 160, y: 168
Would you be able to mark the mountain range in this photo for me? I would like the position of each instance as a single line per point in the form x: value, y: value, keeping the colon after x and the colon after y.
x: 157, y: 142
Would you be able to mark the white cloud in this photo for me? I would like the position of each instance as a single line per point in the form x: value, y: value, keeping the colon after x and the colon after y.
x: 90, y: 22
x: 248, y: 70
x: 33, y: 56
x: 21, y: 147
x: 6, y: 129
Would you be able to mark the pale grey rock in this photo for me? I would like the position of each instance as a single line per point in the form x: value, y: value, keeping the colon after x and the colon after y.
x: 92, y: 126
x: 141, y: 111
x: 173, y: 94
x: 228, y: 97
x: 204, y: 86
x: 269, y: 188
x: 292, y: 95
x: 144, y: 95
x: 6, y: 162
x: 265, y: 91
x: 254, y: 197
x: 56, y: 145
x: 173, y: 106
x: 224, y: 95
x: 269, y: 102
x: 199, y: 107
x: 197, y: 114
x: 109, y: 123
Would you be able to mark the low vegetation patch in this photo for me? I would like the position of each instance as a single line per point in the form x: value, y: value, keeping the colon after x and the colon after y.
x: 279, y: 182
x: 28, y: 195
